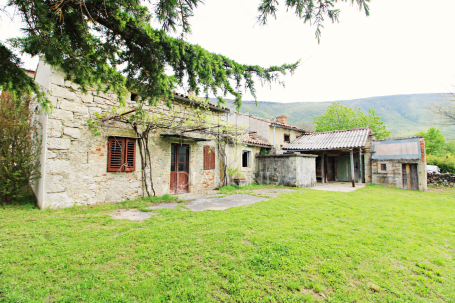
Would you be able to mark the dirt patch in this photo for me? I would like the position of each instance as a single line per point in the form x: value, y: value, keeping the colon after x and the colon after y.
x: 246, y: 242
x: 131, y: 214
x: 272, y: 192
x: 163, y: 206
x: 223, y: 203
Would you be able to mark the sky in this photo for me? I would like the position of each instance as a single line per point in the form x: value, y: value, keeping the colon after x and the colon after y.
x: 403, y: 47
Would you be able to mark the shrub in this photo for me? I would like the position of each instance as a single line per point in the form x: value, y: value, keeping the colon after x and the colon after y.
x: 446, y: 162
x: 20, y: 147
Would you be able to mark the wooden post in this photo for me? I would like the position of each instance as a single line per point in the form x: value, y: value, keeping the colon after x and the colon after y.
x: 322, y: 168
x: 360, y: 166
x: 352, y: 168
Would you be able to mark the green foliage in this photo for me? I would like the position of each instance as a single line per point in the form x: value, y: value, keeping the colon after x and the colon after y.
x: 264, y: 151
x: 375, y: 244
x: 439, y: 152
x: 235, y: 172
x: 435, y: 142
x: 445, y: 162
x: 20, y: 147
x: 340, y: 117
x: 112, y: 45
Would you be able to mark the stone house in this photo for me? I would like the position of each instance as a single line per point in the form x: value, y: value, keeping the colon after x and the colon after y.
x: 78, y: 167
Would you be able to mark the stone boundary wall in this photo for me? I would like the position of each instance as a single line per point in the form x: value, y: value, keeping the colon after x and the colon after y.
x: 441, y: 180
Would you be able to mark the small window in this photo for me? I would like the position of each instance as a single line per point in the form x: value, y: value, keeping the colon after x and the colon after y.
x: 382, y: 168
x: 246, y: 158
x: 121, y: 154
x: 209, y: 157
x: 134, y: 97
x: 287, y: 138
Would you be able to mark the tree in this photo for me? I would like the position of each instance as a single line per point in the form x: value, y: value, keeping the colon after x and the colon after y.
x: 340, y: 117
x: 435, y: 142
x: 20, y: 147
x: 111, y: 45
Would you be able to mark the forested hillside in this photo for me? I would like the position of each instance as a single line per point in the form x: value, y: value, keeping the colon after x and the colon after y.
x: 404, y: 115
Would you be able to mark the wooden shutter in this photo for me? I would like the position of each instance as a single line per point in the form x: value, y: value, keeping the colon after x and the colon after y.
x: 115, y: 156
x: 130, y: 155
x: 121, y: 154
x: 209, y: 157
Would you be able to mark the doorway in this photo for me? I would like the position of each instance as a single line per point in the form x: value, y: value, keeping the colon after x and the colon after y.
x: 180, y: 155
x: 410, y: 176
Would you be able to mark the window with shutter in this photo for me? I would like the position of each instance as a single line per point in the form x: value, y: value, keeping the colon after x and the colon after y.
x: 121, y: 154
x: 209, y: 157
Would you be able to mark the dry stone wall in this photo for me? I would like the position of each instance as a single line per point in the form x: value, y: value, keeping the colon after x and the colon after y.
x: 76, y: 159
x: 438, y: 180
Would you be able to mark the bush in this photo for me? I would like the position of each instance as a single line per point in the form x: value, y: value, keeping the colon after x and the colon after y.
x: 20, y: 147
x: 446, y: 162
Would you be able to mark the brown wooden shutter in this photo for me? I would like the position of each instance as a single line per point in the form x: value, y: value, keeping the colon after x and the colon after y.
x: 209, y: 157
x: 115, y: 156
x: 130, y: 155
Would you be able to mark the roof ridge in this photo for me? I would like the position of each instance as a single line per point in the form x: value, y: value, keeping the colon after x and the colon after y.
x: 343, y: 130
x: 273, y: 122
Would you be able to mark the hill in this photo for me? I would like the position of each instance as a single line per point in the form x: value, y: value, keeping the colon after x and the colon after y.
x: 404, y: 115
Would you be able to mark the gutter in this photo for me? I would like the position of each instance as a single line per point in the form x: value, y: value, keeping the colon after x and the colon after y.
x: 257, y: 145
x: 199, y: 103
x: 303, y: 131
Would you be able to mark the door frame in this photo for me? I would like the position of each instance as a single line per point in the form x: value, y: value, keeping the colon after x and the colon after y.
x: 175, y: 173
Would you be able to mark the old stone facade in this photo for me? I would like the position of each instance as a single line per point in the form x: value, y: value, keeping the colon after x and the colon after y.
x: 74, y: 161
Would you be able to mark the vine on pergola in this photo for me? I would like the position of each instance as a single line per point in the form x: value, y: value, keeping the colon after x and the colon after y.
x: 146, y: 120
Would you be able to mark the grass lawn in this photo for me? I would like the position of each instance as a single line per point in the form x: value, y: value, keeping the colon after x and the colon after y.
x: 372, y: 245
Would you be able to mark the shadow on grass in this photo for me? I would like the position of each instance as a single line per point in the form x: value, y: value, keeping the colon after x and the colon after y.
x: 26, y: 200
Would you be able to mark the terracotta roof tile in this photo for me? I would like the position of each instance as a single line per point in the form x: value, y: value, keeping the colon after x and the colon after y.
x: 252, y: 139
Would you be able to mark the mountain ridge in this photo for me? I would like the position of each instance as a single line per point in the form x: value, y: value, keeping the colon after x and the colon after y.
x: 404, y: 115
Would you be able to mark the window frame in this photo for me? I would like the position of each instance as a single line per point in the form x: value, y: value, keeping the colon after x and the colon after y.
x: 284, y: 138
x: 248, y: 159
x: 380, y: 170
x: 127, y: 149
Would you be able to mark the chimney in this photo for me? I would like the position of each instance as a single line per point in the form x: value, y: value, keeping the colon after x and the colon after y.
x: 282, y: 119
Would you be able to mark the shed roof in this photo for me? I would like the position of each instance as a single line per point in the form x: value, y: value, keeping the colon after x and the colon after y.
x: 337, y: 139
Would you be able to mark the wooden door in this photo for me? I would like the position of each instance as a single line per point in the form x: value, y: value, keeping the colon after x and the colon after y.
x: 180, y: 168
x: 410, y: 176
x: 330, y: 169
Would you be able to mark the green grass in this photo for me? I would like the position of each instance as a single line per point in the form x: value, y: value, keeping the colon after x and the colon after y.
x: 372, y: 245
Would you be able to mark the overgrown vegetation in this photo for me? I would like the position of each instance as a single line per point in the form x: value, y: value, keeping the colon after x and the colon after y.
x: 372, y: 245
x: 439, y: 151
x: 340, y: 117
x: 20, y: 147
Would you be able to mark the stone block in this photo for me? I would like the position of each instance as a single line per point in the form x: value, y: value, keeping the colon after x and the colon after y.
x: 75, y: 133
x: 99, y: 100
x: 50, y: 154
x: 58, y: 200
x: 92, y: 110
x: 72, y: 123
x: 57, y: 166
x: 54, y: 184
x: 87, y: 98
x: 62, y: 92
x: 54, y: 128
x: 72, y: 106
x: 58, y: 143
x: 61, y: 114
x: 57, y: 78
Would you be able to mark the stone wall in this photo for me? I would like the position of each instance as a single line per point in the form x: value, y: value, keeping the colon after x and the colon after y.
x: 287, y: 169
x: 441, y: 180
x: 76, y: 160
x: 393, y: 177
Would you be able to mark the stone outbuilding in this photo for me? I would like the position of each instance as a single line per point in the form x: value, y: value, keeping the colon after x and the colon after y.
x: 400, y: 163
